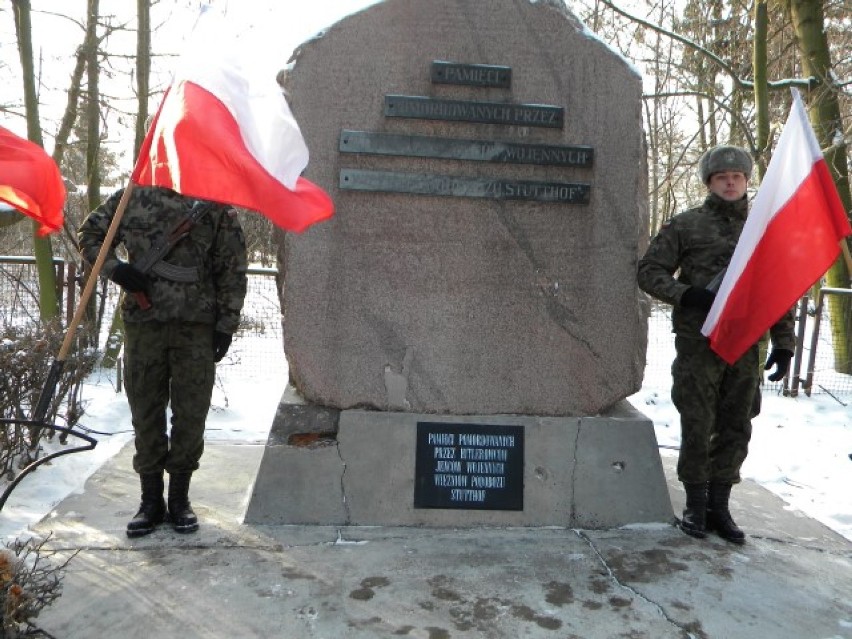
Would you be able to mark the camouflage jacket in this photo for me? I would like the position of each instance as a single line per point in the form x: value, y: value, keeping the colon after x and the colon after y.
x: 215, y: 248
x: 697, y: 245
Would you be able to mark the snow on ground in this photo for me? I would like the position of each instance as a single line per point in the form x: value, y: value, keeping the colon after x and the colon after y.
x: 801, y: 447
x: 242, y: 410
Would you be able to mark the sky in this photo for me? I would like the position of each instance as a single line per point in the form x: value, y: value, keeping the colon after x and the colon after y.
x: 801, y: 447
x: 269, y: 29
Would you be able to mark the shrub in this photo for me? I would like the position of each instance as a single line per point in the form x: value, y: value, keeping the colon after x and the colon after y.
x: 28, y: 583
x: 25, y: 359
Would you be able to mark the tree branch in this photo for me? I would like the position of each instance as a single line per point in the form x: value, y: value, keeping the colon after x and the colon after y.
x: 708, y: 96
x: 745, y: 85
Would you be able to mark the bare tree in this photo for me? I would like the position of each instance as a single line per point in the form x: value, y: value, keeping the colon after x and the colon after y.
x: 48, y: 304
x: 824, y: 112
x: 93, y: 113
x: 143, y: 69
x: 749, y: 101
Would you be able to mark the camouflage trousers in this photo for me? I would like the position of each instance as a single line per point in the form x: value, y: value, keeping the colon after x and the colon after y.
x: 716, y: 403
x: 168, y: 363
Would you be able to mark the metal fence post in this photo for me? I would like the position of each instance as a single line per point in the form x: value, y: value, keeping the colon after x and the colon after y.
x: 71, y: 292
x: 800, y: 344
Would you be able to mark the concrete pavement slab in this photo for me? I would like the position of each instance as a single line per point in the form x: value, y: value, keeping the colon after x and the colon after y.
x: 792, y: 579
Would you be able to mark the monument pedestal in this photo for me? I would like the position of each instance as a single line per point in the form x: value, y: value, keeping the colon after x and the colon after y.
x: 584, y: 472
x: 479, y: 272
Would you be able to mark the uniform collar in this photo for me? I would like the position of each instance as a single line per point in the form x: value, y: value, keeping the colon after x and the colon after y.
x: 738, y: 208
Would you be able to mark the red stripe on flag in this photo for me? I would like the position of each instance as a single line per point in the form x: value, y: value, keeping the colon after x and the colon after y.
x: 30, y: 181
x: 834, y: 205
x: 798, y: 246
x: 199, y: 151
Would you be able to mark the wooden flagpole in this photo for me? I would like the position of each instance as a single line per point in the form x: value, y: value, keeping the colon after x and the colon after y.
x: 55, y: 372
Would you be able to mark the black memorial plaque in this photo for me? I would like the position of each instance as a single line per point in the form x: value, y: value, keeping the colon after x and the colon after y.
x: 425, y: 108
x: 474, y: 75
x: 469, y: 466
x: 458, y: 149
x: 459, y: 186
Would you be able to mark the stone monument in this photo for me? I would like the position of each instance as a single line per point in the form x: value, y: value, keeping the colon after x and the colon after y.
x: 462, y: 334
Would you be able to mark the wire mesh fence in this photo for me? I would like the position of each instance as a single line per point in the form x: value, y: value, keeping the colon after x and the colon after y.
x: 821, y: 367
x: 19, y: 293
x: 258, y: 344
x: 817, y: 367
x: 258, y: 348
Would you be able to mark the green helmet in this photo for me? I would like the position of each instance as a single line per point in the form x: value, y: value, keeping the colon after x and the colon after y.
x: 724, y: 158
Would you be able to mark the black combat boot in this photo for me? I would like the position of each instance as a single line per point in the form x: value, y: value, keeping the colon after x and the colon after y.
x: 180, y: 510
x: 719, y: 517
x: 152, y: 510
x: 694, y: 521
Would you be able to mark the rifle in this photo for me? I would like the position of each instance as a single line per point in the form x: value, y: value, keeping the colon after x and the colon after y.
x: 148, y: 262
x: 151, y: 260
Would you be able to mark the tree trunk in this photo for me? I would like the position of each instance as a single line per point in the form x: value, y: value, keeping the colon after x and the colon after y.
x: 70, y: 115
x: 93, y: 110
x: 143, y: 70
x: 761, y: 85
x: 65, y: 127
x: 93, y: 128
x: 824, y: 112
x: 761, y: 104
x: 48, y: 303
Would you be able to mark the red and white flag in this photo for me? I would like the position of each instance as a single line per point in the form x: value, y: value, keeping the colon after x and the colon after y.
x: 790, y: 239
x: 221, y: 134
x: 30, y: 181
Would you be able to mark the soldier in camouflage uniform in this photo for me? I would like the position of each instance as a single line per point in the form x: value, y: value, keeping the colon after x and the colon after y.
x: 196, y: 294
x: 716, y: 401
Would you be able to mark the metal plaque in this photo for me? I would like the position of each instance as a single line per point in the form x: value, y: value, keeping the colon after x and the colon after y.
x: 424, y: 108
x: 474, y: 75
x: 458, y: 149
x: 469, y: 466
x: 458, y: 186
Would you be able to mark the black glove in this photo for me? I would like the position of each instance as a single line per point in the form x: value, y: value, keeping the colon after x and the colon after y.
x: 780, y: 358
x: 221, y: 344
x: 131, y: 278
x: 699, y: 298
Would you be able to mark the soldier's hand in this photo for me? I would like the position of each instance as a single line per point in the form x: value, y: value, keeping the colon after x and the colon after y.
x: 131, y: 278
x: 700, y: 298
x: 780, y: 358
x: 221, y: 344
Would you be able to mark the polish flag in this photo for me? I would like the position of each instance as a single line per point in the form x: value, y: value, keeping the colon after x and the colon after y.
x: 30, y: 182
x: 790, y: 239
x: 221, y: 134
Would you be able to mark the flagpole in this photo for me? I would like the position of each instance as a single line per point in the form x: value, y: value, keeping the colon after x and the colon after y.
x: 96, y: 269
x: 53, y: 375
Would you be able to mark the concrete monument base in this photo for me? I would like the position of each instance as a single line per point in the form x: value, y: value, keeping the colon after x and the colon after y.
x: 355, y: 467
